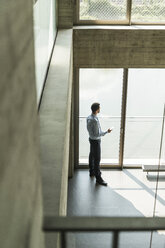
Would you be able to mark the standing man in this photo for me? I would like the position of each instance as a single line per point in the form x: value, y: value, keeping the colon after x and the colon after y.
x: 95, y: 133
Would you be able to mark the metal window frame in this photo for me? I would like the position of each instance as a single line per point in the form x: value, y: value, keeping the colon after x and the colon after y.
x: 122, y: 124
x: 123, y: 116
x: 101, y: 22
x: 127, y: 21
x: 76, y: 116
x: 119, y: 165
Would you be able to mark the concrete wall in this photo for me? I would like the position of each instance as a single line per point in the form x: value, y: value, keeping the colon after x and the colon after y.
x: 55, y: 116
x: 65, y: 10
x: 120, y: 48
x: 20, y: 186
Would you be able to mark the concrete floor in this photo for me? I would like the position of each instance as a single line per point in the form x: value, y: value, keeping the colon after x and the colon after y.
x: 129, y: 193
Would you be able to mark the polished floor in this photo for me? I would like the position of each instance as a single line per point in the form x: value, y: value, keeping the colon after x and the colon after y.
x: 129, y: 193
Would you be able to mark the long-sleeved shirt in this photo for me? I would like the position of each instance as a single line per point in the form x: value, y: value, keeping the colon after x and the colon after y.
x: 94, y: 128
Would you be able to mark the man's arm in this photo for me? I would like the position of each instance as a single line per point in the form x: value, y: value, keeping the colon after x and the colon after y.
x: 103, y: 133
x: 93, y: 129
x: 96, y: 131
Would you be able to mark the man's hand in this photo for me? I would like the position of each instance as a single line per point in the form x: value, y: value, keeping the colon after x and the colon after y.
x: 109, y: 130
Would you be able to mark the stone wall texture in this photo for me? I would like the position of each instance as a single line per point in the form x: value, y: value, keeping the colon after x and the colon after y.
x: 65, y: 16
x: 20, y: 182
x: 119, y: 48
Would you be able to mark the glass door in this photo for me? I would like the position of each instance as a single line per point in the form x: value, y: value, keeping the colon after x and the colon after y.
x: 145, y: 103
x: 103, y: 86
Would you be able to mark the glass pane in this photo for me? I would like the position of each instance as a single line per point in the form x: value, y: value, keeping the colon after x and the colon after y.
x: 45, y: 28
x: 145, y: 103
x: 103, y: 9
x: 163, y: 146
x: 103, y: 86
x: 160, y: 200
x: 148, y: 11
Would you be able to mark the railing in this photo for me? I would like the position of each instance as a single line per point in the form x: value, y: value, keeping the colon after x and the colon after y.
x: 142, y: 138
x: 102, y: 224
x: 117, y: 116
x: 128, y: 117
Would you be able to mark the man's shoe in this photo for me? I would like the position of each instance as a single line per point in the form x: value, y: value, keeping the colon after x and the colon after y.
x: 91, y: 174
x: 101, y: 181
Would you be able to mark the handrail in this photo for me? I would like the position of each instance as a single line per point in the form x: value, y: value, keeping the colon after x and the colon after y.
x: 102, y: 224
x: 156, y: 117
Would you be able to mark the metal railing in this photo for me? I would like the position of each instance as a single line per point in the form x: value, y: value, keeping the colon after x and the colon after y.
x: 143, y: 130
x: 128, y: 117
x: 102, y: 224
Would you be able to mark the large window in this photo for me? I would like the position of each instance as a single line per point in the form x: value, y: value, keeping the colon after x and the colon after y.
x: 103, y: 10
x: 148, y: 11
x: 121, y: 11
x: 145, y: 103
x: 103, y: 86
x: 136, y: 137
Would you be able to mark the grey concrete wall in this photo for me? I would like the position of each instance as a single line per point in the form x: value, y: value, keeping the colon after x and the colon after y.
x: 65, y: 10
x: 119, y: 48
x: 20, y: 186
x: 55, y: 112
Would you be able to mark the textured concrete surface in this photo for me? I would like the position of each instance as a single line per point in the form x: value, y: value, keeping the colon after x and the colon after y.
x: 55, y: 114
x: 65, y: 10
x: 119, y: 48
x: 20, y: 186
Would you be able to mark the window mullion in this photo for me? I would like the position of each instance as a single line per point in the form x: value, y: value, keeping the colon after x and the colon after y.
x: 129, y: 9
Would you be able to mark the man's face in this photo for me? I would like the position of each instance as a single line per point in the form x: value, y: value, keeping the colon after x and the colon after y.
x: 98, y: 111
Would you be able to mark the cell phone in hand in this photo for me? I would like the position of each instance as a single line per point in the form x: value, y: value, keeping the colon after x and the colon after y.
x: 111, y: 128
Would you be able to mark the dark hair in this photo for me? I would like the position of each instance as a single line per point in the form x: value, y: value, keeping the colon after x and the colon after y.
x: 95, y: 106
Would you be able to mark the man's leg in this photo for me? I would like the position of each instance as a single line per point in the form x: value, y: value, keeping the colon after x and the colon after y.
x: 97, y: 158
x: 91, y: 159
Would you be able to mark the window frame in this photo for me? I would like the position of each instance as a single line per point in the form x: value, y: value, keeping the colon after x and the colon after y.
x: 119, y: 165
x: 127, y: 21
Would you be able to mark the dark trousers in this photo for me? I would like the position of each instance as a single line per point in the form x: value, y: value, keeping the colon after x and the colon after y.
x: 95, y: 157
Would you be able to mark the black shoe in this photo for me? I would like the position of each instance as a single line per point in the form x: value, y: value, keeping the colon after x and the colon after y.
x: 101, y: 181
x: 91, y: 174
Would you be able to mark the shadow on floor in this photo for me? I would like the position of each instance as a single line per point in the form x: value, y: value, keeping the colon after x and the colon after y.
x: 85, y: 198
x: 141, y: 184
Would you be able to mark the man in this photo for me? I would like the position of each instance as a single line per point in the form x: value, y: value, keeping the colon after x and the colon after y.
x: 95, y: 133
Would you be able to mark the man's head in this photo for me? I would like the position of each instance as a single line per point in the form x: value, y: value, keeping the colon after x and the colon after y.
x: 95, y: 107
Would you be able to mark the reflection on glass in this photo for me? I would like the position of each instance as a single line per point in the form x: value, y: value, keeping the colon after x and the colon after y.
x: 103, y: 9
x: 162, y: 157
x: 152, y: 11
x: 145, y: 103
x: 160, y: 199
x: 103, y: 86
x: 44, y: 35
